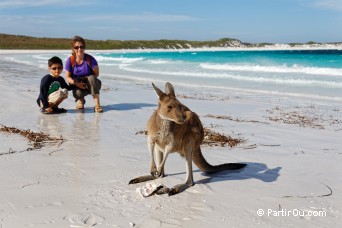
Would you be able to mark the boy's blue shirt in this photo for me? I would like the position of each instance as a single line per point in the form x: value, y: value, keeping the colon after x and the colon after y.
x: 48, y: 85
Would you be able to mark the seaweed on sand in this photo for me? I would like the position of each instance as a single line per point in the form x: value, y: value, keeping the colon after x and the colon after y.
x: 36, y: 139
x: 212, y: 138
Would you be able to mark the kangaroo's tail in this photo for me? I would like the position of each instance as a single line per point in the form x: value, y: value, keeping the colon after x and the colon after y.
x: 203, y: 165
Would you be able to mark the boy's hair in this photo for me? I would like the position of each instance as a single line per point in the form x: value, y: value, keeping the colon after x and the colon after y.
x: 55, y: 60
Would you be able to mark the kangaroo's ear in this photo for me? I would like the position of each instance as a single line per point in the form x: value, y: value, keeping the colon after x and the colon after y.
x: 158, y: 91
x: 169, y: 90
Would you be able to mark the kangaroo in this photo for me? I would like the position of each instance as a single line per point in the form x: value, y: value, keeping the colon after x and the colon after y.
x: 173, y: 127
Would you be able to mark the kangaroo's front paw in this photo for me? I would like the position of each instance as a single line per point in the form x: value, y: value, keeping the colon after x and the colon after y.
x: 155, y: 173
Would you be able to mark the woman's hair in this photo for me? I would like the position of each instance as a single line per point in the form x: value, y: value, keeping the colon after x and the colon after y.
x: 76, y: 39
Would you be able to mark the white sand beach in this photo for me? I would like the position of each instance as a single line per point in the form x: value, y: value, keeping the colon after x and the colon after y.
x: 292, y: 150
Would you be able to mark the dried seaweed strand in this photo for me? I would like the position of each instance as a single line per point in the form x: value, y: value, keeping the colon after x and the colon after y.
x: 324, y: 195
x: 223, y: 117
x: 26, y: 185
x: 36, y: 139
x: 212, y: 138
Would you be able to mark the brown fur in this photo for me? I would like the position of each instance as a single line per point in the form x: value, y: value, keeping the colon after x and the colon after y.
x: 173, y: 127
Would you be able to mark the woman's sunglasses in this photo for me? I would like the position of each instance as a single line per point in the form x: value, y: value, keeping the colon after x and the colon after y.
x: 78, y: 47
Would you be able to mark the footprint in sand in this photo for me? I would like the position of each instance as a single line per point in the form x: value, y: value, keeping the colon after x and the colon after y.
x: 84, y: 220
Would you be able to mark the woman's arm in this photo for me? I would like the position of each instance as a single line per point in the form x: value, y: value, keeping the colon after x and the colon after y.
x: 94, y: 66
x: 68, y: 69
x: 68, y: 78
x: 96, y: 71
x: 71, y: 81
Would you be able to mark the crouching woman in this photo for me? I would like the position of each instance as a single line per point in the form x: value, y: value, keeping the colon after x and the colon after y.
x: 82, y: 71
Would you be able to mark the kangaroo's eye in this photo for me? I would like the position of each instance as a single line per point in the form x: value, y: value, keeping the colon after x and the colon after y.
x: 169, y: 107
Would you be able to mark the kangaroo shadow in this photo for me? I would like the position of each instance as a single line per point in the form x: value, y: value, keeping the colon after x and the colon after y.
x: 257, y: 171
x: 127, y: 106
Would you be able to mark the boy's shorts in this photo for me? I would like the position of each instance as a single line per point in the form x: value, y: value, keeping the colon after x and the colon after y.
x: 58, y: 95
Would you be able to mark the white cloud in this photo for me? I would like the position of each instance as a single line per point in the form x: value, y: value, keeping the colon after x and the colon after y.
x: 37, y: 3
x: 144, y: 17
x: 329, y: 4
x: 21, y: 3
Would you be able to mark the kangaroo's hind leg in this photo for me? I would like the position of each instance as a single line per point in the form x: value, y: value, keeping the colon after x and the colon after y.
x: 142, y: 179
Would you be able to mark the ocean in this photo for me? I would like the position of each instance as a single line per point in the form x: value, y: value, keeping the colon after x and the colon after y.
x: 294, y: 74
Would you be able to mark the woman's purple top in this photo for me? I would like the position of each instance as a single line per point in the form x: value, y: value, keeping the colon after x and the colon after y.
x: 81, y: 70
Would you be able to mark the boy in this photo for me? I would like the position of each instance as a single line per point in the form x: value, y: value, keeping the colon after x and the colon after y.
x: 53, y: 88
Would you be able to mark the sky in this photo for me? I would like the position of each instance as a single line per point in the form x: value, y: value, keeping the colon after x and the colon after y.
x: 252, y: 21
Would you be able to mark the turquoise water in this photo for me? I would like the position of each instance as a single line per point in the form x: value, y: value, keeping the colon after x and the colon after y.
x: 308, y: 58
x: 313, y: 74
x: 307, y: 74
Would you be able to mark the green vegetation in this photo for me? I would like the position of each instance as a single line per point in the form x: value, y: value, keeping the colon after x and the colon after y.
x: 312, y: 42
x: 263, y: 44
x: 27, y: 42
x: 293, y: 44
x: 34, y: 43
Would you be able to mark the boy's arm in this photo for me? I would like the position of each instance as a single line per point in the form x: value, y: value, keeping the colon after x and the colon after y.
x: 64, y: 85
x: 44, y: 87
